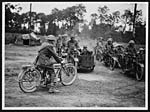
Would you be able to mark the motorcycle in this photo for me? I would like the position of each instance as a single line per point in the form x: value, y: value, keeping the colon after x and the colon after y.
x: 73, y: 57
x: 116, y: 60
x: 129, y: 63
x: 140, y: 68
x: 107, y: 58
x: 98, y: 53
x: 137, y: 68
x: 33, y: 76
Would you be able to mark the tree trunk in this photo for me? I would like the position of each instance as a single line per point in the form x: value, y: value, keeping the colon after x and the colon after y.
x: 134, y: 20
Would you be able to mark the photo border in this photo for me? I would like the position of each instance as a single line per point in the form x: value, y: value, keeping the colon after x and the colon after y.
x: 70, y: 108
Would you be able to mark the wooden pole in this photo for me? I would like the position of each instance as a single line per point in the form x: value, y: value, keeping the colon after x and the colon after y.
x: 30, y: 15
x: 135, y: 7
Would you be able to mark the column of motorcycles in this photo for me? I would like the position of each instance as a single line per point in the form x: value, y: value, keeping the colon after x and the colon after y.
x: 129, y: 64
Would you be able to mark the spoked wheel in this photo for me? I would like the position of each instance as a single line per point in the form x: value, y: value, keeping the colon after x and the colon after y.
x: 68, y: 75
x: 106, y: 61
x: 139, y: 73
x: 123, y: 70
x: 112, y: 64
x: 29, y: 80
x: 124, y: 66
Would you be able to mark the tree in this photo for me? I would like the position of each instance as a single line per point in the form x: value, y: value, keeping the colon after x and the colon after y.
x: 44, y: 20
x: 127, y: 16
x: 103, y: 13
x: 72, y: 15
x: 116, y: 16
x: 94, y: 16
x: 113, y: 18
x: 11, y: 16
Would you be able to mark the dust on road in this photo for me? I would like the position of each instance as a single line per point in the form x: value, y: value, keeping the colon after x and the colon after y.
x: 100, y: 88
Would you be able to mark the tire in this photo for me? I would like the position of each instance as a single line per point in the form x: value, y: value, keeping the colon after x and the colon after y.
x: 123, y: 66
x: 106, y: 61
x: 92, y: 68
x: 139, y: 73
x: 97, y: 57
x: 112, y: 64
x: 25, y: 76
x: 72, y: 72
x: 123, y: 70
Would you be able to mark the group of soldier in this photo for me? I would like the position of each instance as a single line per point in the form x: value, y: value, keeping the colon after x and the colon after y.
x: 62, y: 45
x: 107, y: 49
x: 53, y: 48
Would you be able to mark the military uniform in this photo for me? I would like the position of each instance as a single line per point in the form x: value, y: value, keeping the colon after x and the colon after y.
x: 141, y: 56
x: 58, y: 46
x: 72, y: 44
x: 109, y: 47
x: 108, y: 50
x: 130, y: 49
x: 46, y: 54
x: 85, y: 51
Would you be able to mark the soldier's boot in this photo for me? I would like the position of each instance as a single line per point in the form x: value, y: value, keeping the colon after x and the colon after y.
x: 53, y: 89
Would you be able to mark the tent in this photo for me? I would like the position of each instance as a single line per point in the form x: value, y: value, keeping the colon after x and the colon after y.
x: 28, y: 39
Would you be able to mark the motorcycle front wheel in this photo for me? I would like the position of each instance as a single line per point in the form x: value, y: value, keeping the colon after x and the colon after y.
x: 139, y: 72
x: 68, y: 75
x: 112, y: 64
x: 29, y: 80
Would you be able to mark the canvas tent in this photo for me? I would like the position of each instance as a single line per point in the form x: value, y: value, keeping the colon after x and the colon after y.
x: 28, y: 39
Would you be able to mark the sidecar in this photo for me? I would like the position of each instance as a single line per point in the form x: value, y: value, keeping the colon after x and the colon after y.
x: 86, y: 62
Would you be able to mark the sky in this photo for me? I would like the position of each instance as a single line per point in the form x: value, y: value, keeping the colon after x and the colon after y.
x: 91, y: 7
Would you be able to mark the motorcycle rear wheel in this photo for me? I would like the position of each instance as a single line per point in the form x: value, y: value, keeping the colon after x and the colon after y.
x: 112, y: 64
x: 69, y: 77
x: 31, y: 77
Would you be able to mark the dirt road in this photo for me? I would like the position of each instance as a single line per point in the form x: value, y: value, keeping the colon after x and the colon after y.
x: 100, y: 88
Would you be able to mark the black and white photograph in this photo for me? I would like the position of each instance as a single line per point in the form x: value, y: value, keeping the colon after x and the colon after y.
x: 75, y: 55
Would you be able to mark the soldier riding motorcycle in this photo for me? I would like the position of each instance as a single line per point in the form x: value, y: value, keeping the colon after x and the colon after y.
x: 73, y: 51
x: 140, y: 68
x: 108, y: 52
x: 130, y: 55
x: 134, y: 63
x: 117, y: 60
x: 45, y: 71
x: 99, y: 49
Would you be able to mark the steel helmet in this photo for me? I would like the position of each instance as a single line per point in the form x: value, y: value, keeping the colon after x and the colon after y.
x: 59, y: 35
x: 100, y: 38
x: 141, y: 49
x: 65, y: 35
x: 51, y: 38
x: 131, y: 42
x: 110, y: 39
